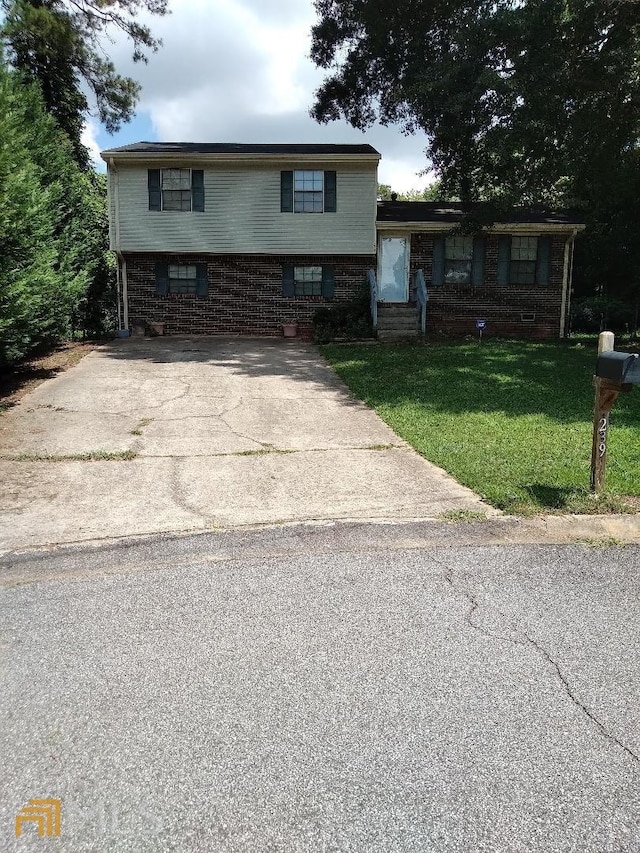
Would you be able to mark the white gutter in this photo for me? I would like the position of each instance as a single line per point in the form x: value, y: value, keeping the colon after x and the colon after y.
x: 122, y: 266
x: 282, y: 159
x: 567, y: 279
x: 532, y: 228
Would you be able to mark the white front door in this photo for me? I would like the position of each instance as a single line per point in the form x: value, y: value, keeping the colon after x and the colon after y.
x: 393, y: 269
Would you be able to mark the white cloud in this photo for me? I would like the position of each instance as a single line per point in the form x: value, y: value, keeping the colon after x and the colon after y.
x: 90, y: 142
x: 238, y: 71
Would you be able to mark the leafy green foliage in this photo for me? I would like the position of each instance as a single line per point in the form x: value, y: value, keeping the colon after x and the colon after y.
x: 59, y: 45
x: 535, y: 102
x: 52, y: 214
x: 597, y: 313
x: 513, y: 421
x: 351, y: 320
x: 431, y: 193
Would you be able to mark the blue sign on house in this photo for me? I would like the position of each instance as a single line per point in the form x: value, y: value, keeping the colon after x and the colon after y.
x: 481, y: 324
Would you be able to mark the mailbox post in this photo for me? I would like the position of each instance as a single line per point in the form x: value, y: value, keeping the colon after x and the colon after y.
x: 616, y: 372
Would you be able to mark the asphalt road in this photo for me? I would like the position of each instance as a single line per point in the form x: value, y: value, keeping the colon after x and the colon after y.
x: 329, y: 688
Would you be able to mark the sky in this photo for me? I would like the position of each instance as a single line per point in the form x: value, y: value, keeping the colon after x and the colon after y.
x: 239, y: 71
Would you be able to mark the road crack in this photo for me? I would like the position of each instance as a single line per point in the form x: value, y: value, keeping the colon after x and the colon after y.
x: 521, y: 638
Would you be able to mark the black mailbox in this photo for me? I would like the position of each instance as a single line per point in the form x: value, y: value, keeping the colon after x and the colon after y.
x: 620, y: 367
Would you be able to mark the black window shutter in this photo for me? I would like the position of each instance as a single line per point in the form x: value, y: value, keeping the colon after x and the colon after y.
x: 330, y: 196
x: 286, y: 192
x: 155, y: 190
x: 288, y: 289
x: 543, y: 261
x: 477, y: 264
x: 504, y: 260
x: 162, y: 278
x: 328, y: 282
x: 437, y: 272
x: 197, y: 190
x: 202, y: 280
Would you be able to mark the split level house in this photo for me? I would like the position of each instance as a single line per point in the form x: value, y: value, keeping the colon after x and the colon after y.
x: 242, y: 239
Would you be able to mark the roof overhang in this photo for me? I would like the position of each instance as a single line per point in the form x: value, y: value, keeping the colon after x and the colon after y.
x: 496, y: 228
x: 140, y: 157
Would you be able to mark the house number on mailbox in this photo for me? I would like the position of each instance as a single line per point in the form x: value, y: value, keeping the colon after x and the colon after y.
x: 602, y: 435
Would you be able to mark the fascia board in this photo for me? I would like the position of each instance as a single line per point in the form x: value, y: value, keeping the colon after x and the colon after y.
x: 142, y: 159
x: 498, y: 228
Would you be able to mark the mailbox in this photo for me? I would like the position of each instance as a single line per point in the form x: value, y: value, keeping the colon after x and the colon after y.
x: 622, y: 367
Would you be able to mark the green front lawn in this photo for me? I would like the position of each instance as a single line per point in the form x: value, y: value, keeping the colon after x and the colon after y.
x: 511, y: 420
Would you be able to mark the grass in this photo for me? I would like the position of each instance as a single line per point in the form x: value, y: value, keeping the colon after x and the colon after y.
x: 93, y: 456
x: 143, y: 423
x: 510, y: 420
x: 462, y: 515
x: 602, y: 542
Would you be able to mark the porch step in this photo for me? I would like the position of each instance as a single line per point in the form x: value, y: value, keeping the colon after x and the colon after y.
x: 397, y: 322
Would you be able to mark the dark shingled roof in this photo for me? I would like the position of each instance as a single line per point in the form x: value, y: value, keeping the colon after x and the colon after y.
x: 454, y: 212
x: 236, y: 148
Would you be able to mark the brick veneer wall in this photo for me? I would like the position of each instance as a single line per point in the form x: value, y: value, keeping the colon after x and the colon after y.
x: 454, y: 308
x: 245, y: 293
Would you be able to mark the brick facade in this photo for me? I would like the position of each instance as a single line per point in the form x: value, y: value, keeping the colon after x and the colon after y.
x: 245, y: 293
x: 507, y: 309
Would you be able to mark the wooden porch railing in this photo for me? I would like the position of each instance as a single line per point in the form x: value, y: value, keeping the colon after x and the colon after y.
x: 422, y: 298
x: 373, y: 290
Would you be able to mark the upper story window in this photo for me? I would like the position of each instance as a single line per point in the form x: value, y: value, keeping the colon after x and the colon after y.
x: 458, y: 257
x: 176, y: 189
x: 308, y: 191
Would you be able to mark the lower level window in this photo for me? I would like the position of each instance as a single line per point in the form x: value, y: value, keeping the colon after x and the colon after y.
x: 183, y: 278
x: 458, y: 257
x: 307, y: 281
x: 524, y: 254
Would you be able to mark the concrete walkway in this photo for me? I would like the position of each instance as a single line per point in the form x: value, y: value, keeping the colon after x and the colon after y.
x: 198, y: 433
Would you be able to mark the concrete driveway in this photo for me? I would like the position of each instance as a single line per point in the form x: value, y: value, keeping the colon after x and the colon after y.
x: 173, y: 434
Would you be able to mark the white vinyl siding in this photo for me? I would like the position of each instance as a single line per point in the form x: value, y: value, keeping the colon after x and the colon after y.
x: 243, y: 214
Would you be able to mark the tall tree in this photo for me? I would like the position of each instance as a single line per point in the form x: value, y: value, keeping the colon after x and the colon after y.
x: 514, y: 98
x: 59, y: 45
x: 52, y: 235
x: 530, y: 102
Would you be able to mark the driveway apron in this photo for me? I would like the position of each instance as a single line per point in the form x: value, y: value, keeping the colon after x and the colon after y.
x: 174, y: 434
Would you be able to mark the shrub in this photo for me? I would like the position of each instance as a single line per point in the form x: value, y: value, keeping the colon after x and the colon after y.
x: 596, y: 313
x: 350, y: 320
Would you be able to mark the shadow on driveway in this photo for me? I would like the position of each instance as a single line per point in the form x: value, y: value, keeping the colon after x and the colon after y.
x: 170, y: 434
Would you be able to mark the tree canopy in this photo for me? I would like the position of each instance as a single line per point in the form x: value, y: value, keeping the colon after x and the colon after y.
x: 54, y: 270
x: 530, y: 102
x: 515, y: 99
x: 60, y: 45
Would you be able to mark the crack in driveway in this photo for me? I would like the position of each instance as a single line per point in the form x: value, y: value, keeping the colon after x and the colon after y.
x: 525, y: 640
x: 177, y: 493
